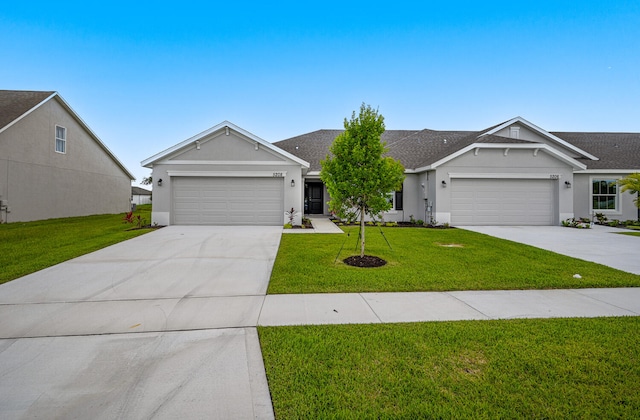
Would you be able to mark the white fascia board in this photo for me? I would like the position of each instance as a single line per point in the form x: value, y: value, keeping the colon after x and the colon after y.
x: 607, y: 171
x: 543, y: 132
x: 28, y: 112
x: 148, y: 163
x: 532, y: 146
x: 499, y: 175
x: 93, y: 135
x: 228, y: 162
x: 231, y: 174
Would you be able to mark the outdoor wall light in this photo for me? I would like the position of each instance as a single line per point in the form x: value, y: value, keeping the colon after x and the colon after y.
x: 293, y: 183
x: 444, y: 184
x: 160, y: 182
x: 567, y: 184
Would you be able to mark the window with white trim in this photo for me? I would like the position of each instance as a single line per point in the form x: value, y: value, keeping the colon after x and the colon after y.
x: 514, y: 132
x: 395, y: 198
x: 61, y: 139
x: 604, y: 194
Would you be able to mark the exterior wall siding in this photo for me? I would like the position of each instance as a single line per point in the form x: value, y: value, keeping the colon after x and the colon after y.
x: 582, y: 187
x: 518, y: 163
x: 224, y: 155
x: 39, y: 183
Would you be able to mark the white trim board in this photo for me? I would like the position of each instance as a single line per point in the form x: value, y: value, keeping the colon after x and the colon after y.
x: 462, y: 175
x: 230, y: 174
x: 227, y: 162
x: 533, y: 146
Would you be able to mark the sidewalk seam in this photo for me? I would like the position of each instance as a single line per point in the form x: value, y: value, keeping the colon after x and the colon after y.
x: 372, y: 310
x: 467, y: 305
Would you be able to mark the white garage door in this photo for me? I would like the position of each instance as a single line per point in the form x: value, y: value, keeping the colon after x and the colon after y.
x: 227, y: 201
x: 502, y: 202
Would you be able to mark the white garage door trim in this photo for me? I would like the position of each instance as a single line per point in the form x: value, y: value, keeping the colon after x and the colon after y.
x: 509, y: 201
x: 227, y: 201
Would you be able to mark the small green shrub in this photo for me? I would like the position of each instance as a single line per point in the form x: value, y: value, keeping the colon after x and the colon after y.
x: 601, y: 218
x: 288, y: 226
x: 577, y: 223
x: 420, y: 222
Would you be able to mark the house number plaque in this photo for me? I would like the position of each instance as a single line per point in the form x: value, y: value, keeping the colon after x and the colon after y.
x: 277, y: 175
x: 554, y: 176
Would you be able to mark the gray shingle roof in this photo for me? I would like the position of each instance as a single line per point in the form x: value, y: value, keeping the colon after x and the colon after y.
x: 14, y: 103
x: 615, y: 150
x: 139, y: 191
x: 419, y: 148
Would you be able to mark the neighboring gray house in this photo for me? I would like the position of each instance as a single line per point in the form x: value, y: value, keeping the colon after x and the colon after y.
x: 514, y: 173
x: 51, y: 163
x: 140, y: 196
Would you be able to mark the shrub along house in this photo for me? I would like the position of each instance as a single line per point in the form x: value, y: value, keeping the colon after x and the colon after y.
x: 513, y: 173
x: 51, y: 163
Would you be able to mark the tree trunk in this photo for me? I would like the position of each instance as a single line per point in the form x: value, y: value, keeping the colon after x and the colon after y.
x: 362, y: 232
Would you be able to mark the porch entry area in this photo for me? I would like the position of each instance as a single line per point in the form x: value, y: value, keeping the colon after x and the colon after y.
x: 313, y: 197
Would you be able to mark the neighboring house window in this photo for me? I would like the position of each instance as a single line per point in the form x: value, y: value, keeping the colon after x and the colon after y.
x: 398, y: 203
x: 61, y: 139
x: 604, y: 194
x: 395, y: 198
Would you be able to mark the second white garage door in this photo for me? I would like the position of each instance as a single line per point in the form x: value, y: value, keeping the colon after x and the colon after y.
x: 502, y: 202
x: 227, y: 201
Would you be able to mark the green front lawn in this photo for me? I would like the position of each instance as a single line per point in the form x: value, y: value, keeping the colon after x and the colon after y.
x: 430, y: 259
x: 26, y: 247
x: 629, y: 233
x: 549, y: 368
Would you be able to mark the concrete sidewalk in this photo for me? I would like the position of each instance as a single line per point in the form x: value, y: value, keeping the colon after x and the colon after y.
x: 372, y: 308
x: 320, y: 225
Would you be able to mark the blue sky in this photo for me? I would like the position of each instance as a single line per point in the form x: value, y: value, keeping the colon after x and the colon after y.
x: 147, y: 75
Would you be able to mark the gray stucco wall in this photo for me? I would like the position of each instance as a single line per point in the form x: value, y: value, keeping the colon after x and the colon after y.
x: 39, y: 183
x: 221, y: 155
x: 518, y: 163
x: 582, y: 187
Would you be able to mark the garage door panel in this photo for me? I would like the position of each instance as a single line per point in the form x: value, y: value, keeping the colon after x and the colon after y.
x: 227, y: 201
x: 502, y: 202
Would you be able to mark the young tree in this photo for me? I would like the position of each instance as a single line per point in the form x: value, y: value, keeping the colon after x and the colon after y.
x: 631, y: 183
x: 359, y: 178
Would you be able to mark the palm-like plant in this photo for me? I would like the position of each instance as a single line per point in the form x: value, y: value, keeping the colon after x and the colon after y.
x: 631, y: 183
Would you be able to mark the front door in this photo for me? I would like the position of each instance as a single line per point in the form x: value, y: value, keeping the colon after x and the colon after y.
x: 313, y: 203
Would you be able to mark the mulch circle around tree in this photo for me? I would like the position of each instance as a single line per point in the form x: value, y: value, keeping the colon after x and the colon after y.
x: 367, y: 261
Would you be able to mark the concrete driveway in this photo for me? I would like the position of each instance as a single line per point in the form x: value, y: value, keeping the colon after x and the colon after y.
x: 600, y: 244
x: 150, y: 327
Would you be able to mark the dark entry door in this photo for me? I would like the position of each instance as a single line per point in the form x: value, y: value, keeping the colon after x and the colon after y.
x: 313, y: 198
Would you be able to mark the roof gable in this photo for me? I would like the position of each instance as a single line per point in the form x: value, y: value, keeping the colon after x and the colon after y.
x: 535, y: 147
x: 218, y: 147
x: 541, y: 132
x: 223, y: 147
x: 19, y: 104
